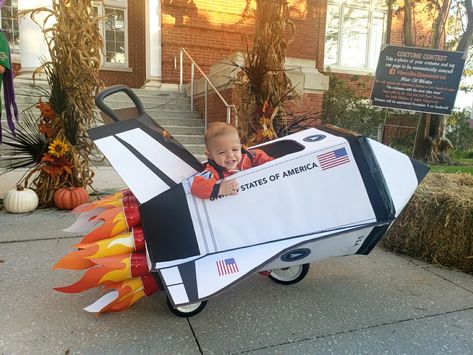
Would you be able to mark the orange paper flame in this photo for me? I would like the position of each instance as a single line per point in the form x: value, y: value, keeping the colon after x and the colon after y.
x: 114, y: 222
x: 109, y: 201
x: 130, y: 291
x: 108, y: 270
x: 124, y: 243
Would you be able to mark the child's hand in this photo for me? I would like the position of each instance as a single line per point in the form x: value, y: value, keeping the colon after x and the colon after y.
x: 228, y: 187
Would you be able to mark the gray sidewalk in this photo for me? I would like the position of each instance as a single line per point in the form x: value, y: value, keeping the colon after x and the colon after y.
x: 105, y: 179
x: 380, y: 303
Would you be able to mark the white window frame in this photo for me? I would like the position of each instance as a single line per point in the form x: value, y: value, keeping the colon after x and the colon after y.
x: 337, y: 68
x: 121, y: 5
x: 15, y: 57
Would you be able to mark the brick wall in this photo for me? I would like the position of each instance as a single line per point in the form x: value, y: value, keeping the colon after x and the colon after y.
x: 136, y: 51
x: 213, y: 30
x: 400, y: 127
x: 217, y: 110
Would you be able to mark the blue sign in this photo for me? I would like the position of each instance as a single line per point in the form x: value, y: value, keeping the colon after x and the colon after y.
x: 417, y: 79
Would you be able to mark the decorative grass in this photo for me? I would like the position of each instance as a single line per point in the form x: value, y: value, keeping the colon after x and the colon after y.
x: 437, y: 224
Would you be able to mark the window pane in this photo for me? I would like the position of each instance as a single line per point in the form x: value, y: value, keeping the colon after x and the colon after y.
x: 332, y: 35
x: 115, y: 36
x: 377, y: 38
x: 354, y: 38
x: 380, y: 4
x: 94, y: 11
x: 359, y: 3
x: 120, y: 36
x: 9, y: 24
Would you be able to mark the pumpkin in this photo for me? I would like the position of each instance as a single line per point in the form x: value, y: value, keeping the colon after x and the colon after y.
x: 20, y: 200
x: 68, y: 198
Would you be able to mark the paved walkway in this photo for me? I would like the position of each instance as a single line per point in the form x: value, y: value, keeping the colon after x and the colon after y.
x: 376, y: 304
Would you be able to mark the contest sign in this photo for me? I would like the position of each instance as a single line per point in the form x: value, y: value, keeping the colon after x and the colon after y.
x: 417, y: 79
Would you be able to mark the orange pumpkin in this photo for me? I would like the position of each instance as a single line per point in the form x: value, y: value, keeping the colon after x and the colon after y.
x: 68, y: 198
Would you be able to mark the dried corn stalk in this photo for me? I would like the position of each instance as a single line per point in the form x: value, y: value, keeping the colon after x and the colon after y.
x: 262, y: 84
x: 74, y: 43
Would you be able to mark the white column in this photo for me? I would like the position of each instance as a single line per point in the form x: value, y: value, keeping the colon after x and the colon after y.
x: 33, y: 47
x: 153, y: 44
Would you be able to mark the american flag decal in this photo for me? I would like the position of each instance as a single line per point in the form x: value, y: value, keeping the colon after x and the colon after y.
x: 333, y: 158
x: 227, y: 267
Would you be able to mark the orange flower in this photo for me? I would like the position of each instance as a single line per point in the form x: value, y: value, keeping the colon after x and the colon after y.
x: 45, y: 129
x: 47, y: 158
x: 265, y: 122
x: 268, y: 133
x: 46, y: 110
x: 56, y: 165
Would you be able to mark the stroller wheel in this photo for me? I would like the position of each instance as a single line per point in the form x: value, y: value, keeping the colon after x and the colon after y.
x: 289, y: 275
x: 187, y: 310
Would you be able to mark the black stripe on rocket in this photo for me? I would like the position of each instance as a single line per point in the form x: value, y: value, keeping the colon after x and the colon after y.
x: 189, y: 279
x: 153, y: 129
x: 168, y: 227
x: 158, y: 172
x: 420, y: 169
x: 370, y: 172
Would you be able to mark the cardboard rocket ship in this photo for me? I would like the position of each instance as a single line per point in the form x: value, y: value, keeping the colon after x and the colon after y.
x: 327, y: 193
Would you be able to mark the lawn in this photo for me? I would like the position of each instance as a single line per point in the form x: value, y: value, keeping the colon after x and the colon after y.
x: 464, y: 166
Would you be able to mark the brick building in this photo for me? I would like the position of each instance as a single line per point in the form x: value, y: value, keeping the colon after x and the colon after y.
x: 142, y: 41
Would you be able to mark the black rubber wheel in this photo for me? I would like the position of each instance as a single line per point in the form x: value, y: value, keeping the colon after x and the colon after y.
x: 188, y: 310
x: 289, y: 275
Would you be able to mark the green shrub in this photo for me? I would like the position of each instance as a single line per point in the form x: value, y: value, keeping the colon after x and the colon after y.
x: 343, y: 108
x: 459, y: 132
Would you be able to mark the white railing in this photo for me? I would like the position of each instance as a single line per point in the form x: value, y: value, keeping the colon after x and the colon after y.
x: 207, y: 82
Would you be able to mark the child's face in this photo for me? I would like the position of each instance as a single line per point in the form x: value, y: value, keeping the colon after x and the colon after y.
x: 225, y: 150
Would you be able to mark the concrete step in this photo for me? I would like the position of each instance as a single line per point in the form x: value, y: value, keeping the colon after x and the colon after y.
x: 190, y: 139
x: 176, y: 130
x: 156, y: 114
x: 170, y: 108
x: 176, y: 121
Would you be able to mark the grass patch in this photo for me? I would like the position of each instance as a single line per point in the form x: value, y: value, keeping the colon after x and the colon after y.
x: 463, y: 164
x: 452, y: 169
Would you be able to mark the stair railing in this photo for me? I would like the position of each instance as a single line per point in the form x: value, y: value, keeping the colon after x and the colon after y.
x: 207, y: 82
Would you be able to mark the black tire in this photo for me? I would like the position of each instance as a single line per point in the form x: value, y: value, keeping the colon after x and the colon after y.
x: 289, y: 275
x: 186, y: 311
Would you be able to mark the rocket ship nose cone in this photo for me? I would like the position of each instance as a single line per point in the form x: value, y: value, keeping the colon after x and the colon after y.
x: 420, y: 169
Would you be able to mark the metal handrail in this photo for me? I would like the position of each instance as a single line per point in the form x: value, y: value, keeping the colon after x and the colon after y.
x: 206, y: 84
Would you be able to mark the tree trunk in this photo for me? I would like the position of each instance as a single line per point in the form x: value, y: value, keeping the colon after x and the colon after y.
x: 438, y: 26
x: 408, y: 40
x: 465, y: 41
x: 432, y: 145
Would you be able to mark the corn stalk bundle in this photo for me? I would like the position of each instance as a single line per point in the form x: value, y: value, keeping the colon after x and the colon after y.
x: 437, y: 224
x: 262, y: 84
x: 74, y: 44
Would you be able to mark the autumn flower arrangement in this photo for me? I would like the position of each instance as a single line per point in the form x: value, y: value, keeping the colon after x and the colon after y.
x: 56, y: 160
x: 55, y: 146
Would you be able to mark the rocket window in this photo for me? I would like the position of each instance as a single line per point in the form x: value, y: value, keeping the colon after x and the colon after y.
x: 281, y: 148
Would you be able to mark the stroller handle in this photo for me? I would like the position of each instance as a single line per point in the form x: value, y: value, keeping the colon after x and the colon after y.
x: 99, y: 100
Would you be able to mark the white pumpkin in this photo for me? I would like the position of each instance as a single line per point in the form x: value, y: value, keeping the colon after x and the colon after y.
x: 20, y: 200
